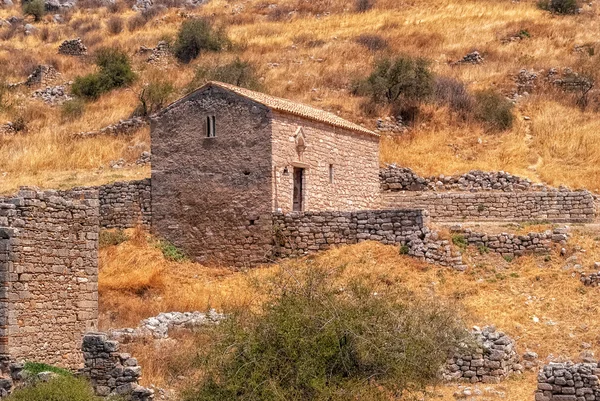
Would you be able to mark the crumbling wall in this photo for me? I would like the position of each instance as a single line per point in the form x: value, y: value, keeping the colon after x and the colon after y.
x: 301, y: 233
x: 568, y: 382
x: 492, y: 358
x: 48, y: 274
x: 125, y: 204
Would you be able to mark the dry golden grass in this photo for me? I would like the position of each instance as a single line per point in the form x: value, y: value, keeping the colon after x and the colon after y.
x: 136, y: 282
x: 308, y: 52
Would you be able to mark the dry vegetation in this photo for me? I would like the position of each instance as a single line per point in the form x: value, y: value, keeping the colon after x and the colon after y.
x: 310, y: 52
x: 136, y: 282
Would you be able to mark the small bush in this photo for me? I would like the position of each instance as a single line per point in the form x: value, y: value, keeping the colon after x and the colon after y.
x: 35, y: 8
x: 316, y: 341
x: 153, y: 98
x: 112, y: 238
x: 454, y: 94
x: 72, y: 109
x: 171, y: 252
x: 560, y: 6
x: 196, y: 36
x: 35, y: 367
x: 494, y: 110
x: 460, y: 241
x: 114, y: 72
x: 58, y: 389
x: 114, y: 25
x: 362, y: 6
x: 239, y: 73
x: 372, y: 42
x: 404, y: 250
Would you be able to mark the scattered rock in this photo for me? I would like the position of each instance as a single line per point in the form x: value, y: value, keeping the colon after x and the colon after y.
x: 58, y: 5
x: 7, y: 129
x: 471, y: 58
x: 123, y: 127
x: 72, y: 47
x: 144, y: 159
x: 54, y: 95
x: 393, y: 125
x: 29, y: 29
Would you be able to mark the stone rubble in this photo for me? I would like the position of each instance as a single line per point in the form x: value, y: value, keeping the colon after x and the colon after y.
x: 568, y: 381
x: 471, y: 58
x: 112, y: 373
x: 145, y: 158
x: 54, y: 95
x: 526, y: 81
x: 494, y: 358
x: 158, y: 327
x: 590, y: 279
x: 391, y: 125
x: 72, y: 47
x: 123, y: 127
x: 157, y: 54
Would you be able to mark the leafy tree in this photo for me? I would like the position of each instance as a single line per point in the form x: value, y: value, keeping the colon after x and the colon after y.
x: 196, y: 36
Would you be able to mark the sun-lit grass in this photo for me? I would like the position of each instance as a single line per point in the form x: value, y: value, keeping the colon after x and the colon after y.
x: 137, y: 282
x: 309, y: 53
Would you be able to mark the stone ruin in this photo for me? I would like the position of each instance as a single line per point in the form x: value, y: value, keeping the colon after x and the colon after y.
x: 111, y: 372
x: 471, y: 58
x: 568, y: 382
x: 492, y: 358
x: 123, y: 127
x: 157, y: 54
x: 72, y: 47
x: 42, y: 75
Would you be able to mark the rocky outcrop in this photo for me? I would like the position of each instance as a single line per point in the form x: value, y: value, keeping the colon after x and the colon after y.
x: 492, y: 358
x: 111, y: 372
x: 72, y: 47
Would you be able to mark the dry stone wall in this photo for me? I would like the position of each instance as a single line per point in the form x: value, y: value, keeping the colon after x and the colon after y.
x: 125, y: 204
x: 110, y: 371
x: 48, y: 274
x: 575, y: 206
x: 493, y: 359
x: 301, y: 233
x: 568, y: 382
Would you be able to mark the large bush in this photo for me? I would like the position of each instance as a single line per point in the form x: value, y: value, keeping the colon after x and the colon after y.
x: 62, y: 388
x: 238, y: 72
x: 153, y: 97
x: 494, y: 110
x: 560, y: 6
x: 114, y: 71
x: 323, y: 339
x: 403, y: 82
x: 35, y: 8
x: 196, y: 36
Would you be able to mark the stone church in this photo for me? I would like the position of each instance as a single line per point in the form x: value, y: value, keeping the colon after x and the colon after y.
x: 224, y: 159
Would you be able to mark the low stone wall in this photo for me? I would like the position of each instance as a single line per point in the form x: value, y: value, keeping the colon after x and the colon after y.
x: 590, y: 279
x: 556, y: 206
x: 511, y: 245
x: 123, y: 127
x: 111, y: 372
x: 493, y: 359
x: 301, y: 233
x: 568, y: 382
x: 125, y: 204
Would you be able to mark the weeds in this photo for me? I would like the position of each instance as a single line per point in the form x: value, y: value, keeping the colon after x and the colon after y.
x: 112, y: 238
x: 460, y: 241
x: 171, y: 252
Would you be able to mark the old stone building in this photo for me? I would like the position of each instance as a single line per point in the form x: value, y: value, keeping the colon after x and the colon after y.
x: 225, y: 158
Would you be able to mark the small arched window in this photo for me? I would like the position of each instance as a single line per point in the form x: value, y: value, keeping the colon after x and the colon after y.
x: 211, y: 127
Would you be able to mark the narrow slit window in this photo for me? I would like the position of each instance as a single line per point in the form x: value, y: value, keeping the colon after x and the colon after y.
x: 211, y: 127
x: 331, y: 173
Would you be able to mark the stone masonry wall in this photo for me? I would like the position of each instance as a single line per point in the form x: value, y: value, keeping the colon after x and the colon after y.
x: 111, y: 372
x: 494, y: 358
x: 556, y: 206
x: 125, y: 204
x: 568, y: 382
x: 48, y: 274
x: 353, y: 158
x: 301, y: 233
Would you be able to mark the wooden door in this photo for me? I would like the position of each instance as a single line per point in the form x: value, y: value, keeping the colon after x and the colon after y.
x: 298, y: 189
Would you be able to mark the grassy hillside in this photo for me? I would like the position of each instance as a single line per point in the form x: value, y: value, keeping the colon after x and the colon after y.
x: 308, y: 51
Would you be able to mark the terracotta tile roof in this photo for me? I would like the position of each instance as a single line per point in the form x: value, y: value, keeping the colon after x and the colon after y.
x: 298, y: 109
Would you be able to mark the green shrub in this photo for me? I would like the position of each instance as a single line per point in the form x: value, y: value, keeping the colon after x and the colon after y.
x: 238, y: 72
x: 494, y: 110
x: 61, y: 388
x: 112, y: 238
x: 35, y: 8
x: 114, y: 72
x: 316, y: 341
x: 460, y: 241
x: 560, y: 6
x: 72, y: 109
x: 483, y: 249
x: 196, y: 36
x: 36, y: 367
x: 404, y: 250
x: 171, y: 252
x: 153, y: 97
x: 403, y: 82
